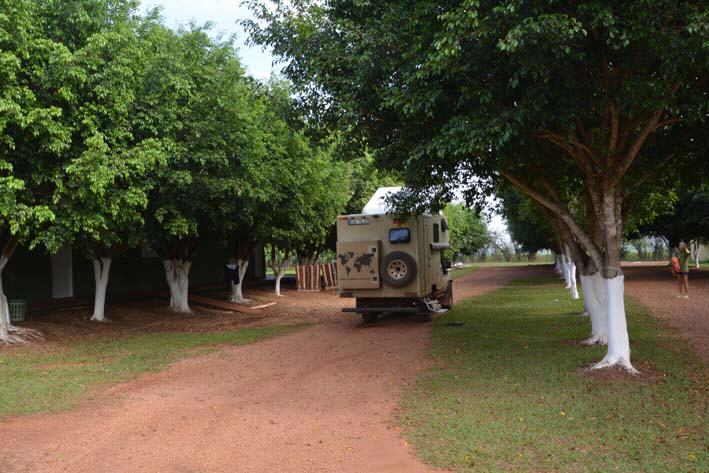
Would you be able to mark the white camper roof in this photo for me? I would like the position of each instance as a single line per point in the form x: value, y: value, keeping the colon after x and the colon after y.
x: 377, y: 204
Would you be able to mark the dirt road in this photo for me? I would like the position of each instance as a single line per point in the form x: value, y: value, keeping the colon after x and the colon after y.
x: 653, y: 285
x: 321, y: 399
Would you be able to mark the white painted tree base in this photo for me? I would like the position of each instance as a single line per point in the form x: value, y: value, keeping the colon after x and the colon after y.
x: 618, y: 342
x: 177, y: 275
x: 594, y: 308
x: 237, y: 296
x: 572, y: 281
x: 562, y: 268
x: 102, y: 267
x: 278, y: 283
x: 12, y: 334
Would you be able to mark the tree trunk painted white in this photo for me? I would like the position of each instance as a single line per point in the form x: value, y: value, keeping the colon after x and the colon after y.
x: 567, y: 272
x: 618, y: 341
x: 9, y: 333
x: 557, y: 264
x: 102, y: 267
x: 697, y: 247
x: 592, y: 288
x: 237, y: 295
x: 562, y: 267
x: 177, y: 275
x: 278, y: 282
x: 572, y: 281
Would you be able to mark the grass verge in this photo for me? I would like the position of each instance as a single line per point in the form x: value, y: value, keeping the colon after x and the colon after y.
x: 461, y: 271
x: 58, y: 378
x: 506, y: 395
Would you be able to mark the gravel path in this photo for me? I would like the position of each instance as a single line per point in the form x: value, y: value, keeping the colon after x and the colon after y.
x: 322, y: 399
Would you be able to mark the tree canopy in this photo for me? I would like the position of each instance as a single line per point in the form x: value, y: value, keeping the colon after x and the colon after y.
x: 586, y: 107
x: 117, y: 131
x: 468, y: 233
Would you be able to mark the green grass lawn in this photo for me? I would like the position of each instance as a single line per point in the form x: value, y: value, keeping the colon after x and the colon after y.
x: 54, y: 378
x: 505, y: 394
x: 461, y: 271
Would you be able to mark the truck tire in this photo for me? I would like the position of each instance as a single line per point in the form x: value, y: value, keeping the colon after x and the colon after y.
x: 398, y: 269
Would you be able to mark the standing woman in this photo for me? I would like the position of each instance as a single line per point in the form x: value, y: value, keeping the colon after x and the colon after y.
x: 683, y: 255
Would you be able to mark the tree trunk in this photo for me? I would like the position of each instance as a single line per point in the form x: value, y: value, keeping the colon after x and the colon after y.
x: 567, y: 272
x: 237, y: 296
x: 11, y: 334
x: 572, y: 281
x: 278, y: 282
x: 697, y: 247
x: 102, y: 267
x: 177, y: 276
x: 278, y: 266
x: 6, y: 328
x: 618, y: 343
x: 557, y: 265
x: 593, y: 301
x: 563, y: 273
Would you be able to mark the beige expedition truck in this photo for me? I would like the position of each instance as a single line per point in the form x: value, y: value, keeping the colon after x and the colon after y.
x: 393, y: 264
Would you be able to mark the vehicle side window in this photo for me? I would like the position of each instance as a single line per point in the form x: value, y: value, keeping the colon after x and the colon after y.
x: 399, y: 235
x: 436, y: 233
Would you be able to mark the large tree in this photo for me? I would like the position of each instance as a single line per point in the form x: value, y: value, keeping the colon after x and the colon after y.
x: 101, y: 198
x: 601, y: 94
x: 33, y: 136
x: 197, y: 102
x: 310, y: 187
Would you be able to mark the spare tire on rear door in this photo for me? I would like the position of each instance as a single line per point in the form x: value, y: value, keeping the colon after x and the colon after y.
x: 398, y: 269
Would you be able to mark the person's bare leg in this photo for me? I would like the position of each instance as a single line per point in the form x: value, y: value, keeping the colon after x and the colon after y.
x: 680, y: 284
x: 685, y: 277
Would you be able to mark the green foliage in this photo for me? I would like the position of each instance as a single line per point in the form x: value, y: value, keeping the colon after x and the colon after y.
x: 567, y: 99
x: 33, y: 134
x: 504, y: 380
x: 688, y: 221
x: 526, y: 223
x: 468, y: 233
x: 365, y: 179
x: 308, y: 186
x: 197, y: 102
x: 103, y: 193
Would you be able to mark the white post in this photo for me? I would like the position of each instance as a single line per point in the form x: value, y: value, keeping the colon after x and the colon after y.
x: 618, y: 342
x: 177, y: 276
x: 236, y: 292
x: 102, y: 267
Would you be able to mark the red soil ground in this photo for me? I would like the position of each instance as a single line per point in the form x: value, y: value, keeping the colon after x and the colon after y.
x: 654, y: 286
x: 320, y: 399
